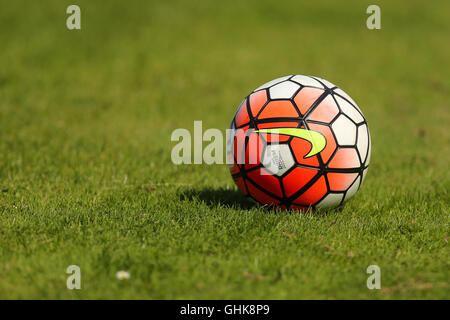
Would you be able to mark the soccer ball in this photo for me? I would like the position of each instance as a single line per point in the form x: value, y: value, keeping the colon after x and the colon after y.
x: 299, y: 142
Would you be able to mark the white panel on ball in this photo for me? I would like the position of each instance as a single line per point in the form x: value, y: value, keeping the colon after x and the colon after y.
x: 349, y: 110
x: 283, y: 90
x: 353, y: 188
x: 278, y: 159
x: 363, y: 140
x: 345, y: 131
x: 331, y: 200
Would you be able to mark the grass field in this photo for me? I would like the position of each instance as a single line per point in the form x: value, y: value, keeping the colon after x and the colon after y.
x: 85, y: 171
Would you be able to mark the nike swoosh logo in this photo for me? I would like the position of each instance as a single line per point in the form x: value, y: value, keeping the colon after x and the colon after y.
x: 317, y: 140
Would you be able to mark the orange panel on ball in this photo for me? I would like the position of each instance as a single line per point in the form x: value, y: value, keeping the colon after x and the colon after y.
x: 340, y: 181
x: 326, y: 111
x: 238, y: 145
x: 253, y: 152
x: 257, y: 101
x: 345, y: 158
x: 266, y: 180
x: 306, y: 97
x: 279, y: 108
x: 296, y: 179
x: 261, y: 196
x: 313, y: 194
x: 242, y: 116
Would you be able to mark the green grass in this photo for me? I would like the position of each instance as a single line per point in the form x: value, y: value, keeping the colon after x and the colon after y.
x: 85, y: 170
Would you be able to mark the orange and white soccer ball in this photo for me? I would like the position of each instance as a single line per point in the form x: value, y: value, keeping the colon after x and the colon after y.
x: 299, y: 142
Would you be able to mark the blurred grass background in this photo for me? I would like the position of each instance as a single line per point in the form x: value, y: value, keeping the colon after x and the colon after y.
x: 85, y: 171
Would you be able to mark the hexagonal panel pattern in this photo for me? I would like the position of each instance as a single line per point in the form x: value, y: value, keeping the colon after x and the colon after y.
x: 326, y: 111
x: 257, y: 100
x: 242, y: 116
x: 278, y: 108
x: 344, y: 130
x: 349, y: 110
x: 345, y: 158
x: 314, y: 193
x: 363, y: 141
x: 306, y: 97
x: 283, y: 90
x: 282, y: 176
x: 278, y: 159
x: 297, y: 179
